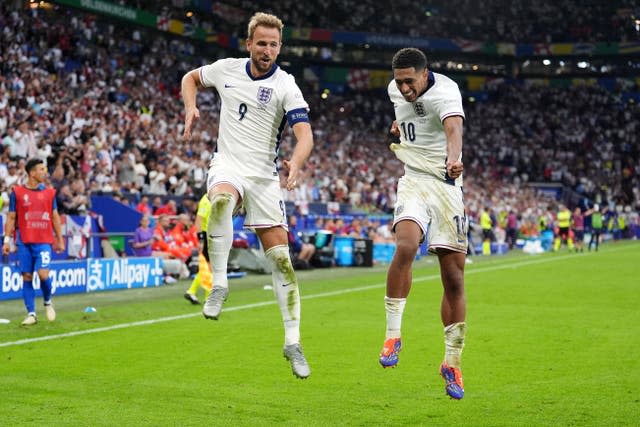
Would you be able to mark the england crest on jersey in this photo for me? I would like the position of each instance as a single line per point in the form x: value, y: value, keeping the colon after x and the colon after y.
x: 418, y: 108
x: 264, y: 94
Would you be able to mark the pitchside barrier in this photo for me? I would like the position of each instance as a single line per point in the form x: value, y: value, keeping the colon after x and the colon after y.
x: 88, y: 275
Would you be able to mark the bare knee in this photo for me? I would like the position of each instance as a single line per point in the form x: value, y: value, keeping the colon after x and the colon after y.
x: 27, y: 277
x: 406, y: 250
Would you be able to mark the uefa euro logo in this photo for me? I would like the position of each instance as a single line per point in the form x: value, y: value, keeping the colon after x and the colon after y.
x: 264, y: 94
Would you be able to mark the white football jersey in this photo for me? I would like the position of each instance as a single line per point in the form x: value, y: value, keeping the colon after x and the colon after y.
x: 423, y: 142
x: 253, y: 114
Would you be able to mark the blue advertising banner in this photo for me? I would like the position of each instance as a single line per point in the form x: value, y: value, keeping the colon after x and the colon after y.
x: 68, y: 277
x: 89, y: 275
x: 123, y: 273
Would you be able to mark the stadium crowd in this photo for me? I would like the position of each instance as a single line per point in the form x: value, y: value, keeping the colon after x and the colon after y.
x: 518, y: 21
x: 100, y: 103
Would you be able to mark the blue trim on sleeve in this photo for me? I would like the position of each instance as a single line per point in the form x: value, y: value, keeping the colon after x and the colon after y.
x: 12, y: 201
x: 297, y: 116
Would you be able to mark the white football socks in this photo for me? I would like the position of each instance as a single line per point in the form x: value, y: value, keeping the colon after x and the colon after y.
x: 394, y: 308
x: 285, y: 288
x: 454, y: 343
x: 220, y: 236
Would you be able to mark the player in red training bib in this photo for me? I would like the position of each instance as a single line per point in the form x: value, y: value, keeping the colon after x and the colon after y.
x: 32, y: 221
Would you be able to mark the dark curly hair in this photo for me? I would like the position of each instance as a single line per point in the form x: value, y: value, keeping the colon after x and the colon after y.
x: 409, y: 57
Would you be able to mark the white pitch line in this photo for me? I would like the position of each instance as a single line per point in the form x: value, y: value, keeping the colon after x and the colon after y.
x: 266, y: 303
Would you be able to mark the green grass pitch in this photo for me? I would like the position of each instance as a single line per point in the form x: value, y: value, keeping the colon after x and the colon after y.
x: 552, y: 339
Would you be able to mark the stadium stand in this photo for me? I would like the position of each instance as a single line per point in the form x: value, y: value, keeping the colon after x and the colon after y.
x: 504, y: 21
x: 100, y: 102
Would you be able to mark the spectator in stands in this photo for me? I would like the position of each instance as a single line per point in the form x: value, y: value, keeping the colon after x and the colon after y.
x: 156, y: 204
x: 330, y: 225
x: 157, y: 184
x: 384, y: 233
x: 143, y: 238
x: 302, y: 251
x: 57, y: 176
x: 68, y: 202
x: 356, y: 229
x: 143, y: 207
x: 185, y: 234
x: 174, y: 264
x: 9, y: 142
x: 13, y: 175
x: 168, y: 208
x: 26, y: 145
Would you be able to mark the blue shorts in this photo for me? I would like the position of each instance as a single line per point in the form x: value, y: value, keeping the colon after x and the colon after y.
x: 33, y: 256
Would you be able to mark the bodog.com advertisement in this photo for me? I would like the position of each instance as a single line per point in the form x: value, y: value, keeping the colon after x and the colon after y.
x: 89, y: 275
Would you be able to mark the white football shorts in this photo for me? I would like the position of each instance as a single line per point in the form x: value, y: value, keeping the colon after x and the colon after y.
x: 261, y: 198
x: 437, y: 207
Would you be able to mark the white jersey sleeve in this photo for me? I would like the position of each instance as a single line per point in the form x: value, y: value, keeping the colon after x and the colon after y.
x: 293, y: 99
x: 209, y: 73
x: 423, y: 142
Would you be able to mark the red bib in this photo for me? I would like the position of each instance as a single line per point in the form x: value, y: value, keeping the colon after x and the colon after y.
x: 34, y: 209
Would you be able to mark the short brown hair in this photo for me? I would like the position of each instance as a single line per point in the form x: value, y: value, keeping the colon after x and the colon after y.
x: 265, y: 20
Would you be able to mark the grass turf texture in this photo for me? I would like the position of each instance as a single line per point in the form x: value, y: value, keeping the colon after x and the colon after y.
x: 552, y: 340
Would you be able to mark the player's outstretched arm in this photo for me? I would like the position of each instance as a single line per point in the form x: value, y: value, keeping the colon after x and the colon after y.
x: 304, y: 145
x: 453, y: 131
x: 190, y: 84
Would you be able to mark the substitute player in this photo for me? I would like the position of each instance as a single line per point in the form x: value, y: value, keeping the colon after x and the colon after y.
x: 429, y: 119
x: 203, y: 277
x: 33, y: 208
x: 258, y: 99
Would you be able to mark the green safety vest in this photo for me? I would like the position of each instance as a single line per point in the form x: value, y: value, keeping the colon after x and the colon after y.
x: 564, y: 219
x: 596, y: 220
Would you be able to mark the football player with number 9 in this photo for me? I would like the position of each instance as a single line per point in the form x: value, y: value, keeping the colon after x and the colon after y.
x: 258, y: 100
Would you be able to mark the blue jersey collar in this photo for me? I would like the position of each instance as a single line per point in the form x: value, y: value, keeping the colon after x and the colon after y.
x: 41, y: 186
x: 266, y: 76
x: 431, y: 80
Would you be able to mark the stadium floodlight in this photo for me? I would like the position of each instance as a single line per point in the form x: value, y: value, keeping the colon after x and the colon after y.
x: 583, y: 64
x: 546, y: 62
